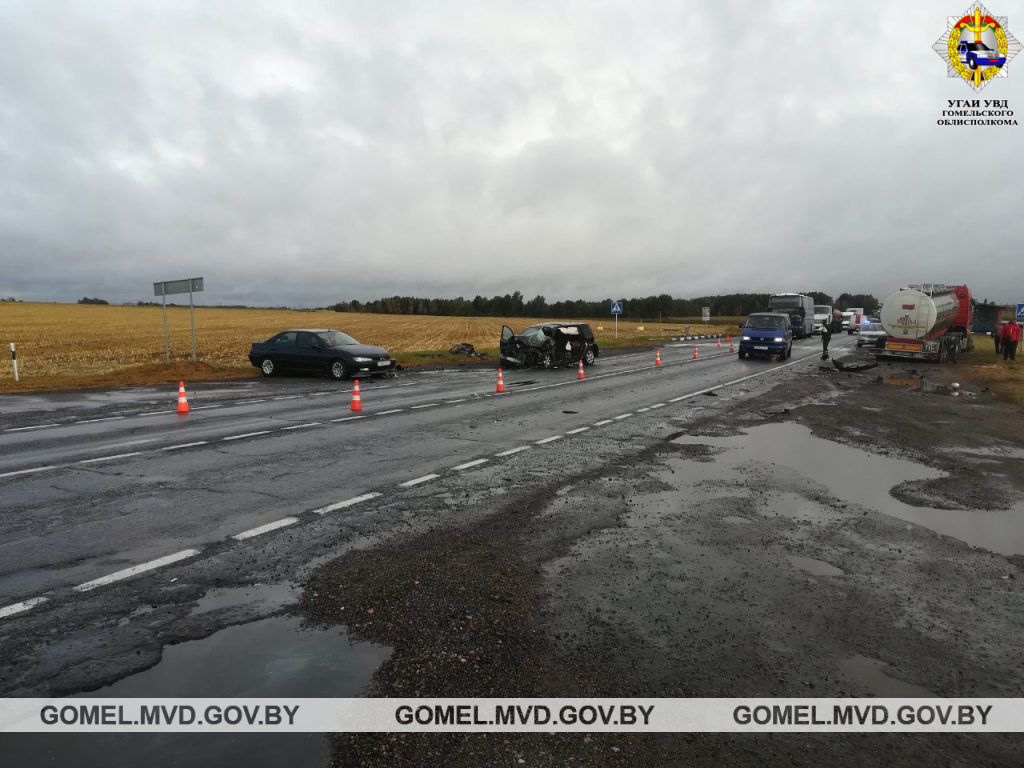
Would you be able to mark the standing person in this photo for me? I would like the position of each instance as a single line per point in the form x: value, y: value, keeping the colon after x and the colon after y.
x: 996, y: 333
x: 826, y: 337
x: 1010, y: 337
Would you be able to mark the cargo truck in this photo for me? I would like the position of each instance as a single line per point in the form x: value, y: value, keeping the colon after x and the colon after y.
x: 926, y: 322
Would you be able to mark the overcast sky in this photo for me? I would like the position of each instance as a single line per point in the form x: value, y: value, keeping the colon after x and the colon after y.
x: 305, y: 152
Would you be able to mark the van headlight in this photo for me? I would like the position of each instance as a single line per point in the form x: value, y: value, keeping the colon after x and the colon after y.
x: 746, y: 338
x: 780, y: 338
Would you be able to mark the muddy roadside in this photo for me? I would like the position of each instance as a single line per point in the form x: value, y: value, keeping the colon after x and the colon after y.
x: 839, y: 536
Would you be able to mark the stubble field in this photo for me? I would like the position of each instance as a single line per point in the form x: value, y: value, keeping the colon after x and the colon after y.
x: 71, y: 345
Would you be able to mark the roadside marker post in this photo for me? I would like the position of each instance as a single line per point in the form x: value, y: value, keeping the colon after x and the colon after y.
x: 14, y: 361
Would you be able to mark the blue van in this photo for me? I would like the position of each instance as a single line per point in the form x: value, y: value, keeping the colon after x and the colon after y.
x: 767, y: 333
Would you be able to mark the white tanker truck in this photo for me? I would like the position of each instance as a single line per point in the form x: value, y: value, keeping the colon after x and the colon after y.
x: 927, y: 322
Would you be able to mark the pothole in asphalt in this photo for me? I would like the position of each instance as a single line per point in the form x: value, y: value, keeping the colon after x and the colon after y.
x: 274, y: 658
x: 814, y: 567
x: 871, y: 674
x: 842, y: 470
x: 265, y: 597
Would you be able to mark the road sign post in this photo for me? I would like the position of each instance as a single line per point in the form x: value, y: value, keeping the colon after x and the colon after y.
x: 169, y: 288
x: 14, y: 361
x: 705, y: 315
x: 616, y: 311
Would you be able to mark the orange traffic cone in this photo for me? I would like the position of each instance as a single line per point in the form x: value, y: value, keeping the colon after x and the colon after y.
x: 501, y: 383
x: 728, y: 338
x: 357, y: 400
x: 182, y: 400
x: 580, y: 375
x: 719, y: 342
x: 657, y: 357
x: 694, y: 351
x: 730, y: 347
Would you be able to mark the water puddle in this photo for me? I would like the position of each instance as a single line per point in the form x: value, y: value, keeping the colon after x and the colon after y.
x: 265, y: 597
x: 917, y: 384
x: 814, y: 567
x: 871, y: 674
x: 856, y: 476
x: 270, y: 658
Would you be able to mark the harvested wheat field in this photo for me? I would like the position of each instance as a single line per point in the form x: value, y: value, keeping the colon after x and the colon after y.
x: 70, y: 345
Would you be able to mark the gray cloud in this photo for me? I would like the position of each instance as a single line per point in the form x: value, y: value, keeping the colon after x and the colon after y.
x: 308, y: 152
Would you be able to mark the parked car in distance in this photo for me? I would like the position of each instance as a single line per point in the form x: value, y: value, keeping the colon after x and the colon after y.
x: 320, y: 350
x: 548, y: 345
x: 767, y: 333
x: 871, y: 332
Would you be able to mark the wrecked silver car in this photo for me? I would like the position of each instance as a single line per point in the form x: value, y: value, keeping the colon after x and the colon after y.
x: 548, y: 345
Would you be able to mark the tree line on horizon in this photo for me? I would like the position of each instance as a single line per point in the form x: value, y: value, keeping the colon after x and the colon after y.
x: 645, y: 308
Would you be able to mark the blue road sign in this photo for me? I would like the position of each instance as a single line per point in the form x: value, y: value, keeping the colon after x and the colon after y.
x: 1020, y: 311
x: 617, y: 308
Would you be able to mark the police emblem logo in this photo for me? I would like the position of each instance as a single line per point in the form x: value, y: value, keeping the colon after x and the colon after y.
x: 977, y: 46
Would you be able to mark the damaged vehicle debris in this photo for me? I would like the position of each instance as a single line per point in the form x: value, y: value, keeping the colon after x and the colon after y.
x: 548, y: 345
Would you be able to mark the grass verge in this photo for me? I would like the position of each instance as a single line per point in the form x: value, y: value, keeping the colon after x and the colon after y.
x: 984, y: 368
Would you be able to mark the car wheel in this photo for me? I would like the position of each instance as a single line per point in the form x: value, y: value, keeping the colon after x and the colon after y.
x: 589, y: 357
x: 546, y: 361
x: 267, y: 366
x: 338, y: 370
x: 972, y: 64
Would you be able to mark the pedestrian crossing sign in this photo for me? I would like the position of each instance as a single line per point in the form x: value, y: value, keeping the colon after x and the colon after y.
x: 1020, y: 311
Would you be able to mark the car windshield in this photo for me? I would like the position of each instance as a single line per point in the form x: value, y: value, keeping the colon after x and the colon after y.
x: 534, y: 333
x: 766, y: 323
x: 821, y: 310
x: 784, y: 302
x: 337, y: 339
x: 976, y: 47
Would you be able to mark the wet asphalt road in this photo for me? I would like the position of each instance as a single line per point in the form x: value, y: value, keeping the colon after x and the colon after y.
x: 96, y: 484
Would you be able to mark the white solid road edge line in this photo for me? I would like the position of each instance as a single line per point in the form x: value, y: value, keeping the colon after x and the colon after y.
x: 137, y: 569
x: 742, y: 378
x: 25, y: 605
x: 388, y: 413
x: 549, y: 439
x: 282, y: 523
x: 34, y: 426
x: 514, y: 450
x: 347, y: 418
x: 347, y: 503
x: 428, y: 405
x: 27, y: 471
x: 417, y: 481
x: 302, y: 426
x: 184, y: 445
x: 469, y: 464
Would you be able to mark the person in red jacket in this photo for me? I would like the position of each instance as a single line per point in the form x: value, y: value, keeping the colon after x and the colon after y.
x: 1010, y: 336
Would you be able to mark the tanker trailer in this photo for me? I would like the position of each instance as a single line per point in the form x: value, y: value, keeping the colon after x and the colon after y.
x: 926, y: 322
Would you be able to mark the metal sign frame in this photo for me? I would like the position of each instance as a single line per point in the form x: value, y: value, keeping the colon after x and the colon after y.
x: 167, y: 288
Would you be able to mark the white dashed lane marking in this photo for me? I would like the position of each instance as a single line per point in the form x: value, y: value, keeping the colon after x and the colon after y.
x: 302, y: 426
x: 347, y: 503
x: 247, y: 434
x: 549, y: 439
x: 25, y: 605
x: 577, y: 431
x: 514, y: 450
x: 469, y: 464
x: 388, y: 413
x: 428, y: 405
x: 282, y: 523
x: 127, y: 573
x: 417, y: 481
x: 110, y: 458
x: 346, y: 418
x: 602, y: 423
x: 27, y: 471
x: 184, y: 445
x: 623, y: 416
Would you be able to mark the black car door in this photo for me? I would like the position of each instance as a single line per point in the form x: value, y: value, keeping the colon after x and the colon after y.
x: 310, y: 352
x: 282, y: 350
